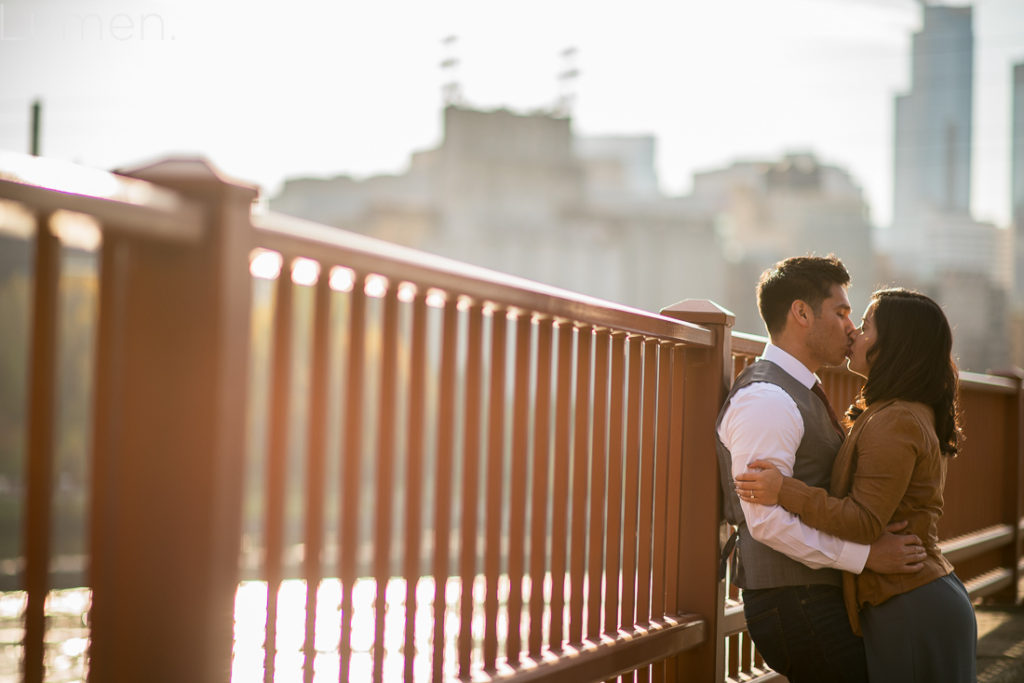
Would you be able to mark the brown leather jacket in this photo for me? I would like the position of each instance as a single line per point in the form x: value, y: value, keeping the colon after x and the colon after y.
x: 889, y: 469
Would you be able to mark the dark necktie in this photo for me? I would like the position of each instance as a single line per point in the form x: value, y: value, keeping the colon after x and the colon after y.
x: 820, y: 393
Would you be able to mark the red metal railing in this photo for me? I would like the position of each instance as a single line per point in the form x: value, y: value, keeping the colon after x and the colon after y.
x: 464, y: 474
x: 557, y: 414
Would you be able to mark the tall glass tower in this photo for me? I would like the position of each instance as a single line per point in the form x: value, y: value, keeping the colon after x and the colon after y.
x: 932, y: 146
x: 1017, y: 183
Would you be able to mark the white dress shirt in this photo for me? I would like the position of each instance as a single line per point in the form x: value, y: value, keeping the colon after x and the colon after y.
x: 764, y: 423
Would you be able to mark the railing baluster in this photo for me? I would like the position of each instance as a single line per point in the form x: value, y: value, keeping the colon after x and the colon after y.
x: 317, y: 454
x: 539, y: 485
x: 386, y: 432
x: 470, y: 486
x: 661, y: 479
x: 674, y: 483
x: 734, y: 645
x: 42, y: 409
x: 598, y: 493
x: 351, y: 470
x: 613, y: 513
x: 277, y: 455
x: 104, y: 461
x: 664, y: 393
x: 444, y: 469
x: 417, y: 400
x: 517, y: 493
x: 560, y: 485
x: 643, y: 601
x: 632, y: 476
x: 495, y: 475
x: 581, y: 458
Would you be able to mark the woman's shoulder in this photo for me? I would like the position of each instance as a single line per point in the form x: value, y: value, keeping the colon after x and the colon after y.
x: 898, y: 414
x: 898, y: 408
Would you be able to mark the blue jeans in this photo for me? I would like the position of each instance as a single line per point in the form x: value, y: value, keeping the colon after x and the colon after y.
x: 803, y: 633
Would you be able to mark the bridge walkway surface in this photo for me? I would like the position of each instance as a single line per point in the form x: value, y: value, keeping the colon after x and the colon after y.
x: 1000, y: 644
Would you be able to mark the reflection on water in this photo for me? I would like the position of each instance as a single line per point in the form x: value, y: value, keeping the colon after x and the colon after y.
x: 251, y: 615
x: 250, y: 621
x: 67, y: 635
x: 66, y: 640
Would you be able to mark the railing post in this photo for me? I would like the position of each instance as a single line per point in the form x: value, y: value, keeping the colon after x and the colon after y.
x: 169, y: 440
x: 1014, y: 506
x: 707, y: 380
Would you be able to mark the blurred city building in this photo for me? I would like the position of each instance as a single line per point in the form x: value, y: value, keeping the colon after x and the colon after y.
x: 519, y: 193
x: 768, y: 210
x: 934, y: 244
x: 522, y: 194
x: 1017, y: 216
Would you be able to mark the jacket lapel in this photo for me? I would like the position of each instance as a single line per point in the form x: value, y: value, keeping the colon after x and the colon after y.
x: 846, y: 460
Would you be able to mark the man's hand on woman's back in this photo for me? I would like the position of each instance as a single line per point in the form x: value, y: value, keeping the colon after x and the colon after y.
x: 895, y: 553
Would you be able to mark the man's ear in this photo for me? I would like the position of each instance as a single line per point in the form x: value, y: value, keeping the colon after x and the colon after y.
x: 800, y: 313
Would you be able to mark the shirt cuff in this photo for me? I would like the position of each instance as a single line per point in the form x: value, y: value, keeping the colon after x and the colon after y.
x: 853, y: 557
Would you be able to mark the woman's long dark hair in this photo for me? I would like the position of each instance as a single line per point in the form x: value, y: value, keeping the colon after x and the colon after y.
x: 912, y: 360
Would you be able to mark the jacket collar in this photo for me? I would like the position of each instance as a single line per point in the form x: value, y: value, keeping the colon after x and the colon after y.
x: 863, y: 418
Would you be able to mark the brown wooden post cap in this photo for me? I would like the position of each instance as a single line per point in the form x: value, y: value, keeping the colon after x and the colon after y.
x: 700, y: 312
x: 195, y: 176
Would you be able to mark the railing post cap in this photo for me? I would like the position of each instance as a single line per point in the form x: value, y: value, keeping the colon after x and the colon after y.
x: 700, y: 312
x: 1012, y: 372
x: 192, y: 175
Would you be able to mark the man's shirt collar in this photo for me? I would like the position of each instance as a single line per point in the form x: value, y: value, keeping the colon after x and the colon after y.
x: 790, y: 364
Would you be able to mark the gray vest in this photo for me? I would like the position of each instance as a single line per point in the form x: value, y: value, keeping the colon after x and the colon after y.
x: 758, y: 566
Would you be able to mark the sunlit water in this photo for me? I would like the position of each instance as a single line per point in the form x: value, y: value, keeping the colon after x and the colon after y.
x: 67, y: 636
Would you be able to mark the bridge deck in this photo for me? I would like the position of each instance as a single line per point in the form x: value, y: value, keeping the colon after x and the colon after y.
x: 1000, y: 644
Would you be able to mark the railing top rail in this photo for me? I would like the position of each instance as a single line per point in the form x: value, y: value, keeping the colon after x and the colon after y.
x: 744, y: 344
x: 989, y: 383
x: 116, y: 201
x: 298, y: 237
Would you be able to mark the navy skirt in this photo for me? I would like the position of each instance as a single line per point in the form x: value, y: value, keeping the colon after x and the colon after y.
x: 929, y: 634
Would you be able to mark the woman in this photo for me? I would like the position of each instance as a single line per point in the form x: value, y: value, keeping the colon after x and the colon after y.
x: 892, y: 467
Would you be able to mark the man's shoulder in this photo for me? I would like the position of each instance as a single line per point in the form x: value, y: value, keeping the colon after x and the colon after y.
x: 763, y: 401
x: 766, y: 371
x: 761, y: 389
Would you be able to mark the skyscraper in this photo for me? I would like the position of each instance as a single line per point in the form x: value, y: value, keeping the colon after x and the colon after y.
x: 932, y: 145
x: 1017, y: 182
x: 934, y: 243
x: 1017, y: 216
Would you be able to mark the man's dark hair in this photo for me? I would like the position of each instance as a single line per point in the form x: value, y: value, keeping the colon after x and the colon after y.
x: 912, y: 360
x: 799, y: 278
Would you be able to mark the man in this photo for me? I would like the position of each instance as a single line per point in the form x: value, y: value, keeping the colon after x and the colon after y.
x: 789, y: 572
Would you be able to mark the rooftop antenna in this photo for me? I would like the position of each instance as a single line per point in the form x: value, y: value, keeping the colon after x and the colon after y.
x: 567, y: 81
x: 37, y: 115
x: 451, y: 91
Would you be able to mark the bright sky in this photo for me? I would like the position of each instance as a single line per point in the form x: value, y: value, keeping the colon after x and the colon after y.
x: 270, y: 90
